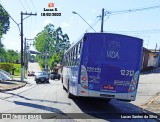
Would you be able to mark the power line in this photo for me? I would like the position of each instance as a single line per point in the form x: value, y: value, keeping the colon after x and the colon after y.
x: 132, y: 10
x: 93, y: 24
x: 35, y: 17
x: 138, y: 32
x: 33, y: 5
x: 22, y: 5
x: 27, y: 5
x: 35, y: 25
x: 96, y: 23
x: 30, y: 27
x: 10, y: 16
x: 106, y: 18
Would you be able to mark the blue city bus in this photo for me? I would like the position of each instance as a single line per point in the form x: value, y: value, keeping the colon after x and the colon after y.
x: 103, y: 65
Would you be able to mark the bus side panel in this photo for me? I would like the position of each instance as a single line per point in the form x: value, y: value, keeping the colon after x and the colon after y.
x: 73, y: 80
x: 65, y: 76
x: 82, y: 91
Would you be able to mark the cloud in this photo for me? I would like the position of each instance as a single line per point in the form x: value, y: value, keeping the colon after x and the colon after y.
x: 47, y: 21
x: 34, y: 33
x: 89, y: 21
x: 93, y: 11
x: 71, y: 19
x: 65, y: 24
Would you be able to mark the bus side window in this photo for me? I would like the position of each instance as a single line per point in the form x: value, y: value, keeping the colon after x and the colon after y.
x: 68, y: 59
x: 63, y: 61
x: 75, y: 55
x: 79, y: 53
x: 71, y: 58
x: 80, y: 47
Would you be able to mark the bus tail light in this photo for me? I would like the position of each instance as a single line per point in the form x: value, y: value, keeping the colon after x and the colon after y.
x: 134, y: 82
x: 82, y: 91
x: 84, y: 77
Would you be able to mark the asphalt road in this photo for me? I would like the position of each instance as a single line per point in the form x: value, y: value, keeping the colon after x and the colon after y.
x: 51, y: 98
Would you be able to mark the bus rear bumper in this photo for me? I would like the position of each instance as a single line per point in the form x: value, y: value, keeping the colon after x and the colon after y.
x: 101, y: 94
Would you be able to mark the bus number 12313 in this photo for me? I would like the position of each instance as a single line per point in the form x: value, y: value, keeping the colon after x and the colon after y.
x: 127, y: 72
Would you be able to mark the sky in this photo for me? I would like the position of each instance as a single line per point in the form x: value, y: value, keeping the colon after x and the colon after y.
x: 142, y: 24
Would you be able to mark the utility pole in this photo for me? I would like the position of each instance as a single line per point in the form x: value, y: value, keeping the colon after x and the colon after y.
x: 45, y: 61
x: 22, y: 61
x: 27, y: 54
x: 102, y: 20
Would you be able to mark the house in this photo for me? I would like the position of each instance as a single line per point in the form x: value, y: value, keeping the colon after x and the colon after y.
x: 145, y: 58
x: 153, y: 59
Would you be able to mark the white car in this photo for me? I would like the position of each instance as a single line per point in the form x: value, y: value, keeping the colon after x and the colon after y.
x: 4, y: 76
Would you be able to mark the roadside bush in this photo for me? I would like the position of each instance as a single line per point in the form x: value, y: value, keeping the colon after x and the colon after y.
x: 7, y: 66
x: 17, y: 69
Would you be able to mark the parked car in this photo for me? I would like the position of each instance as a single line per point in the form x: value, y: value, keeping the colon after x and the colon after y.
x: 54, y: 75
x: 5, y: 72
x: 4, y: 76
x: 32, y: 73
x: 42, y: 77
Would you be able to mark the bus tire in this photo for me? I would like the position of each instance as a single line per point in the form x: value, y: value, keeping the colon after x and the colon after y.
x: 107, y: 100
x: 62, y: 80
x: 64, y: 87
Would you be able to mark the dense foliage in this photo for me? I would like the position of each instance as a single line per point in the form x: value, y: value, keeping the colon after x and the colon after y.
x: 51, y: 43
x: 6, y: 66
x: 4, y: 21
x: 9, y: 56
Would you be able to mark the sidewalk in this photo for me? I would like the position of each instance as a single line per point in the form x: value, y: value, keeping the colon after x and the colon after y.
x: 11, y: 85
x: 153, y: 106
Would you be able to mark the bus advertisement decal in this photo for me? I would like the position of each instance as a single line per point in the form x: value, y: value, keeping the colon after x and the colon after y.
x: 94, y: 69
x: 93, y: 79
x: 122, y: 83
x: 91, y: 86
x: 110, y: 87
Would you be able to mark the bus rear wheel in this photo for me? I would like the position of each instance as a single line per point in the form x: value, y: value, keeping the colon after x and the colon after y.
x: 62, y: 80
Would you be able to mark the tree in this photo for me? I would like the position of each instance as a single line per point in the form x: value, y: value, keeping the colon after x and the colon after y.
x: 51, y: 43
x: 2, y: 53
x: 12, y: 56
x: 4, y: 23
x: 4, y: 26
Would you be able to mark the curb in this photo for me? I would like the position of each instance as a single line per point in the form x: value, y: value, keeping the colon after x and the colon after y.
x: 15, y: 87
x: 149, y: 71
x: 148, y: 112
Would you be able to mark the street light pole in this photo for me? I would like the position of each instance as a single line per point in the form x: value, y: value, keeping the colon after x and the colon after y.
x: 83, y: 19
